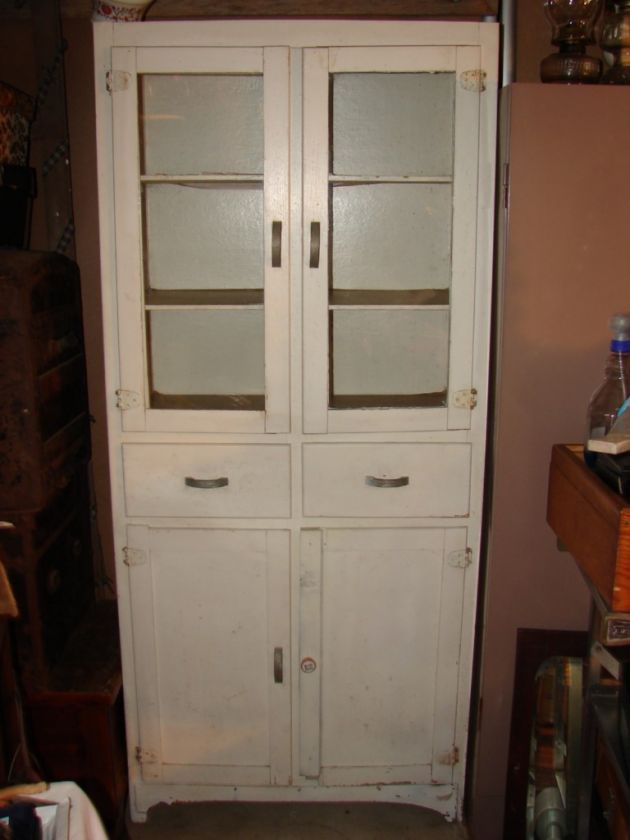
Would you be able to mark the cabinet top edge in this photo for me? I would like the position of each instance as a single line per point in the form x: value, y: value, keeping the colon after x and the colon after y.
x: 288, y: 32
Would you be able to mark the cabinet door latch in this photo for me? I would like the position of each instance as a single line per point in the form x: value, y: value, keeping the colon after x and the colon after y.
x: 116, y: 80
x: 460, y: 559
x: 127, y: 399
x: 465, y: 399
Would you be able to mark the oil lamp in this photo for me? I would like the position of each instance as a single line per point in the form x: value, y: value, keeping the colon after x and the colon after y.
x: 615, y: 42
x: 572, y: 24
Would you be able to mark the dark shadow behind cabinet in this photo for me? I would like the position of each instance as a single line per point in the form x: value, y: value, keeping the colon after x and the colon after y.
x: 44, y: 454
x: 65, y: 643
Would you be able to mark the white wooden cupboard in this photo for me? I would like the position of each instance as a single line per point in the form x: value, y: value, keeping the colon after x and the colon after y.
x: 296, y: 229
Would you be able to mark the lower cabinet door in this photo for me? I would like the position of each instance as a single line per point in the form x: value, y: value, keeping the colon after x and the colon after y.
x: 210, y: 618
x: 380, y: 632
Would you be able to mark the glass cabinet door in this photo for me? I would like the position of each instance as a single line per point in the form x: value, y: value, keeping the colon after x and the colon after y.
x: 387, y: 231
x: 210, y: 270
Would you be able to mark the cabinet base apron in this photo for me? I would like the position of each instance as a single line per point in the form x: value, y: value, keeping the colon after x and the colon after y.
x: 440, y: 798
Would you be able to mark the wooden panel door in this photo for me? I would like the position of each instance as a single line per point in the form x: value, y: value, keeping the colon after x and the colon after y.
x: 210, y: 613
x: 381, y: 623
x: 201, y: 163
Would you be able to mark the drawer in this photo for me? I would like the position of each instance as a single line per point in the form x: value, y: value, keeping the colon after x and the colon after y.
x: 389, y: 479
x: 199, y: 480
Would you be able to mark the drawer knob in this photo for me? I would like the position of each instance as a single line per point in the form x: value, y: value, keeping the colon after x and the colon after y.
x: 374, y: 481
x: 206, y: 483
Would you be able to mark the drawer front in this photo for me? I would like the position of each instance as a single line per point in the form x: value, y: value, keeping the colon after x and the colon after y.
x: 389, y: 479
x: 198, y: 480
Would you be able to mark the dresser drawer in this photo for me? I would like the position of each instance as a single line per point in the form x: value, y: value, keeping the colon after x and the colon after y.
x: 199, y: 480
x: 389, y: 479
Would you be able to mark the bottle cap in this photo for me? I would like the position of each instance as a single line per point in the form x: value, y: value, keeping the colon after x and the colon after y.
x: 619, y: 325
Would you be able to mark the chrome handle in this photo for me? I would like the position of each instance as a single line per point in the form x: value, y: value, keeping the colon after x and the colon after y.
x: 315, y: 243
x: 206, y: 483
x: 374, y: 481
x: 278, y: 669
x: 276, y: 244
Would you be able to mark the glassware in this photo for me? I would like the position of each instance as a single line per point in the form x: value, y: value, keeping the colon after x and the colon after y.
x: 612, y: 395
x: 615, y: 42
x: 572, y: 24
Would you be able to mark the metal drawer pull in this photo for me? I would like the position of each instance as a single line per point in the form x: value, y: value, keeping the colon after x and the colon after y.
x: 276, y: 244
x: 278, y: 669
x: 373, y: 481
x: 206, y: 483
x: 315, y: 241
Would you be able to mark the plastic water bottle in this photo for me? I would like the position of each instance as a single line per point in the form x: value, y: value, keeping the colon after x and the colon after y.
x: 611, y: 397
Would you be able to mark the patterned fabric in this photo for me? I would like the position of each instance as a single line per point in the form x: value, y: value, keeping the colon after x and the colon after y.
x: 16, y: 113
x: 119, y: 11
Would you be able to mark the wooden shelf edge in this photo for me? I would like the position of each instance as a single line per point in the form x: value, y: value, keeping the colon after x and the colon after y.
x: 593, y: 522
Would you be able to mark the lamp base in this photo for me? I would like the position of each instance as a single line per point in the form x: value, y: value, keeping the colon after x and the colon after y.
x: 619, y: 74
x: 571, y: 66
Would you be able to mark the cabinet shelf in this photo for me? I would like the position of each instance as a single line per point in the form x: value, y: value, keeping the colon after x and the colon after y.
x: 381, y: 298
x: 357, y: 180
x: 202, y: 178
x: 433, y: 400
x: 209, y: 402
x: 204, y: 299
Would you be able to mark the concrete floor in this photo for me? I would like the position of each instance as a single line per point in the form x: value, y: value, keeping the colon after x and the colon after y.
x: 245, y: 821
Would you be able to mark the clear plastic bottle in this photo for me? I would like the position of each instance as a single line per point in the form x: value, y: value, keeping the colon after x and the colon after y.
x: 615, y: 389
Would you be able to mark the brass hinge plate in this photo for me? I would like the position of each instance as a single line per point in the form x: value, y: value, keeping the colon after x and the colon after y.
x: 144, y: 756
x: 465, y: 399
x: 460, y: 559
x: 450, y: 758
x: 473, y: 80
x: 506, y: 186
x: 127, y: 399
x: 134, y: 556
x: 116, y: 80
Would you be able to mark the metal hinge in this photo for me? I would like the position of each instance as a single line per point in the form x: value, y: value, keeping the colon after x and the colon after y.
x: 506, y: 185
x: 450, y: 758
x: 144, y: 756
x: 116, y: 80
x: 127, y: 399
x: 465, y: 399
x: 134, y: 556
x: 473, y: 80
x: 460, y: 559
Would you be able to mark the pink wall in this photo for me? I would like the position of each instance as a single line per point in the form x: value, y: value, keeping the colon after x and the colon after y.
x: 566, y: 271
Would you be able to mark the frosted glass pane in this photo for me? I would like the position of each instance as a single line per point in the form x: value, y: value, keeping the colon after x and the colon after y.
x: 207, y: 352
x: 202, y: 124
x: 390, y: 351
x: 204, y: 236
x: 393, y: 123
x: 391, y: 236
